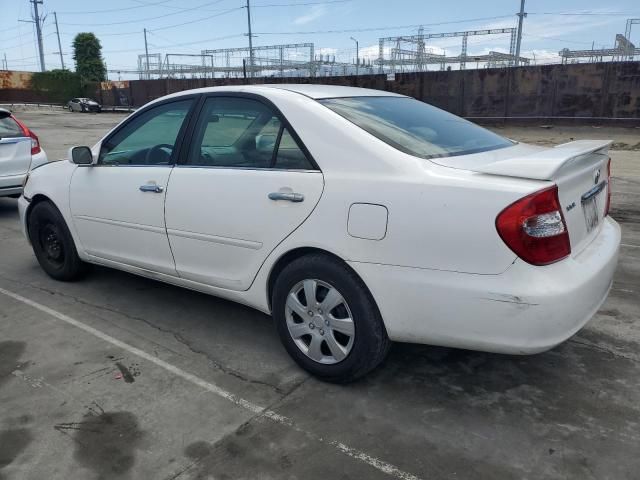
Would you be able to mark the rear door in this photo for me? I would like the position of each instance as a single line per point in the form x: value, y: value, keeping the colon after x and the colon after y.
x: 246, y: 183
x: 15, y: 149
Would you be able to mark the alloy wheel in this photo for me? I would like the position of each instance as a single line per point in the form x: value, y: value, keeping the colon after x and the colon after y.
x: 319, y: 321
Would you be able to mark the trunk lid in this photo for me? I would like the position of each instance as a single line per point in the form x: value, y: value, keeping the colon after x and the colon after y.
x: 15, y: 155
x: 578, y: 168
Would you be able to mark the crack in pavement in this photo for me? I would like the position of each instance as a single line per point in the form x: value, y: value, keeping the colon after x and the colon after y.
x: 613, y: 353
x: 264, y: 414
x: 179, y: 338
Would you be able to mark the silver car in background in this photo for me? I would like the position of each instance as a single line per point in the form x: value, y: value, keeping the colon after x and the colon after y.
x: 20, y: 151
x: 83, y: 105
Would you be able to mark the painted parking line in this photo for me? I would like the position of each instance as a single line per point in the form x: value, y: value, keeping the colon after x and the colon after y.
x: 374, y: 462
x: 628, y: 245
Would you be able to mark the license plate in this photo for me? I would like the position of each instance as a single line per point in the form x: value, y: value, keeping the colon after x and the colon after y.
x: 590, y: 209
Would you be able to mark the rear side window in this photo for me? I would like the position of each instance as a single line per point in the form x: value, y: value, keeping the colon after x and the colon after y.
x: 9, y: 128
x: 415, y: 127
x: 243, y: 133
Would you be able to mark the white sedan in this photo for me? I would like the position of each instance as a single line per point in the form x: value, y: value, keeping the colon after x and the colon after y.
x: 354, y: 217
x: 20, y: 151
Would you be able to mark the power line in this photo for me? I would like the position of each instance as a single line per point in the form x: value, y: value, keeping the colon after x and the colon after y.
x: 214, y: 39
x: 577, y: 14
x: 99, y: 34
x: 182, y: 8
x: 396, y: 27
x: 142, y: 19
x: 559, y: 39
x: 199, y: 19
x: 87, y: 12
x: 328, y: 2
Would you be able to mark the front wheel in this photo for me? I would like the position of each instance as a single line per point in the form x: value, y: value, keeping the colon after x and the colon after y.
x: 327, y: 319
x: 53, y: 244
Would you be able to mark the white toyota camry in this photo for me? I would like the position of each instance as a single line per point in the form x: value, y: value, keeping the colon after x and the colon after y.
x: 354, y: 217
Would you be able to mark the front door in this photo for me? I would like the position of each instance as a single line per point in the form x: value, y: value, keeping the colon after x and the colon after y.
x: 118, y: 204
x: 244, y: 186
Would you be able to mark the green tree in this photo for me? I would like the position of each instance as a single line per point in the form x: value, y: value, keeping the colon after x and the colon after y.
x: 87, y: 53
x: 58, y: 86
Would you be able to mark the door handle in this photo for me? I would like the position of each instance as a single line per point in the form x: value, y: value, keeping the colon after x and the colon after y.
x: 289, y: 197
x: 151, y: 188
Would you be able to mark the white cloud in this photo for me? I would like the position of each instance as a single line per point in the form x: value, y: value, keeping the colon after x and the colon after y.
x: 371, y: 52
x: 315, y: 13
x: 326, y: 51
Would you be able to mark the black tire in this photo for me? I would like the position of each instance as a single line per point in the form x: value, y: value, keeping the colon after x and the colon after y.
x: 370, y: 342
x: 53, y: 244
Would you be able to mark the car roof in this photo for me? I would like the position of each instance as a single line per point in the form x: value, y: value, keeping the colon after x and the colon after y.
x: 309, y: 90
x: 332, y: 91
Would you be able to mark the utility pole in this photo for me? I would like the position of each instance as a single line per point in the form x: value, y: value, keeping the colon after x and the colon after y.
x: 250, y: 40
x: 357, y: 56
x: 6, y: 65
x: 55, y: 16
x: 36, y: 19
x: 521, y: 16
x: 146, y: 54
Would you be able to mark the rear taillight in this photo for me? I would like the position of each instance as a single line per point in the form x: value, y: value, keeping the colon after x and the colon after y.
x: 35, y: 143
x: 534, y: 228
x: 608, y: 204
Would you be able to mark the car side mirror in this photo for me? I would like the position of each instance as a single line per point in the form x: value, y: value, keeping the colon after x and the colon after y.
x: 81, y: 156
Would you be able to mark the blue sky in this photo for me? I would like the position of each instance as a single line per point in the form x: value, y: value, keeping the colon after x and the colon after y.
x: 188, y: 26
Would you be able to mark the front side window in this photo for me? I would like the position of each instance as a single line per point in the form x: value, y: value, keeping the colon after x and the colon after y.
x: 415, y: 127
x: 149, y: 138
x: 243, y: 133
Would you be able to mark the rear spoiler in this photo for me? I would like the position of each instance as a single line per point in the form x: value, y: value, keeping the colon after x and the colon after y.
x: 545, y: 164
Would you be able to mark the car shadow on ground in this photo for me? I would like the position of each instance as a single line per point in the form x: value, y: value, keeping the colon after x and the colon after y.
x: 8, y: 208
x: 242, y: 339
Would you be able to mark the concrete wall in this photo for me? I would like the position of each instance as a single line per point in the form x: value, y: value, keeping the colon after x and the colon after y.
x: 596, y: 90
x: 609, y: 90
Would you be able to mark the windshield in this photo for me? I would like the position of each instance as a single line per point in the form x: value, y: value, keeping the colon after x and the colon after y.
x: 415, y: 127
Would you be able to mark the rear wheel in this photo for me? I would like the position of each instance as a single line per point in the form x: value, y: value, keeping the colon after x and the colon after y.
x: 53, y: 244
x: 327, y: 319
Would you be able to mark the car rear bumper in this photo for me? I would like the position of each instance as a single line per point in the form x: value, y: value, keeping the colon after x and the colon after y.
x: 11, y: 184
x: 526, y: 309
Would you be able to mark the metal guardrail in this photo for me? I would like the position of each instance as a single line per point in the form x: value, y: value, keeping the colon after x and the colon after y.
x: 29, y: 105
x: 25, y: 106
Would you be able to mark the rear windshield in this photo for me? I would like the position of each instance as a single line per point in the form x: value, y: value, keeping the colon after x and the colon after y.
x: 415, y: 127
x: 9, y: 128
